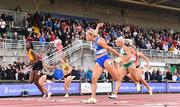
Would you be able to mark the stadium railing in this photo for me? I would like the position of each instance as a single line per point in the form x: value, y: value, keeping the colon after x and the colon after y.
x: 67, y: 51
x: 148, y: 52
x: 159, y: 53
x: 20, y: 45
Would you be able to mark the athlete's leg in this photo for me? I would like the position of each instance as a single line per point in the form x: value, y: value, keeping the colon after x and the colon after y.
x: 36, y: 79
x: 42, y: 82
x: 31, y: 76
x: 123, y: 72
x: 110, y: 67
x: 134, y: 73
x: 97, y: 71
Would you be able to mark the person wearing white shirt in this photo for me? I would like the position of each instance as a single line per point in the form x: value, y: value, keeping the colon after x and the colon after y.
x: 2, y: 26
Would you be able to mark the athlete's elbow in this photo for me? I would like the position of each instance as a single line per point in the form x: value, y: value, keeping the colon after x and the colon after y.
x: 128, y: 57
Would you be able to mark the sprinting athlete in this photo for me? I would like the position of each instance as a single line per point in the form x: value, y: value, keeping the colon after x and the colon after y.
x: 125, y: 65
x: 67, y: 75
x: 136, y: 55
x: 36, y: 73
x: 103, y: 61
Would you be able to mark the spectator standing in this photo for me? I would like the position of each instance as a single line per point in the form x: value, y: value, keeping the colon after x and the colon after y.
x: 42, y: 39
x: 168, y: 75
x: 89, y: 74
x: 49, y: 24
x: 58, y: 44
x: 2, y: 26
x: 154, y: 75
x: 1, y: 73
x: 82, y: 74
x: 174, y: 77
x: 178, y: 77
x: 159, y: 75
x: 4, y: 74
x: 52, y: 37
x: 75, y: 73
x: 147, y: 76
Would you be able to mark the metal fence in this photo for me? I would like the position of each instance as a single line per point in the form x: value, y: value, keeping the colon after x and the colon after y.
x: 39, y: 46
x: 159, y: 53
x: 148, y: 52
x: 55, y: 57
x: 21, y: 45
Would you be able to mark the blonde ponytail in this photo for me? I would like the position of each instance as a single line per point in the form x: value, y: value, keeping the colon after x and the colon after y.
x: 92, y: 32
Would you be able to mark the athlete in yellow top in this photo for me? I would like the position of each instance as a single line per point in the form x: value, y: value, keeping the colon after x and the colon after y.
x: 67, y: 75
x: 36, y: 75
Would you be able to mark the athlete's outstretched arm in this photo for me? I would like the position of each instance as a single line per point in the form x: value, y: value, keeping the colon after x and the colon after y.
x: 99, y: 26
x: 102, y: 43
x: 128, y: 52
x: 140, y: 54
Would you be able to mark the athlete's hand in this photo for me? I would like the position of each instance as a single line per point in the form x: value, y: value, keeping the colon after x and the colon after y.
x: 100, y: 25
x: 148, y: 66
x: 118, y: 60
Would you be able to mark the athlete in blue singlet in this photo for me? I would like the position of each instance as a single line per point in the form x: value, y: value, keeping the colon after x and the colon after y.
x: 102, y: 60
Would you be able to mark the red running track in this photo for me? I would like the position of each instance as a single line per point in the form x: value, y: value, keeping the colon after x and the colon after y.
x: 128, y: 100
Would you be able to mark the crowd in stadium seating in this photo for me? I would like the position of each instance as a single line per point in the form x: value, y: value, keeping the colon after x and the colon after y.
x: 158, y: 76
x: 70, y: 29
x: 15, y: 71
x: 48, y: 28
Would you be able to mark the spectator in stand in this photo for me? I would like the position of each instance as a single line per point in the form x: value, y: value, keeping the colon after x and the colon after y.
x: 163, y: 76
x: 75, y: 73
x: 25, y: 72
x: 154, y: 75
x: 148, y: 45
x: 15, y: 37
x: 11, y: 72
x: 3, y: 16
x: 89, y: 74
x: 7, y: 70
x: 37, y: 19
x: 168, y: 75
x: 58, y: 44
x: 47, y: 36
x: 2, y: 26
x: 18, y: 9
x: 82, y: 73
x: 103, y: 76
x: 28, y: 20
x: 53, y: 37
x: 147, y: 76
x: 4, y: 74
x: 11, y: 20
x: 159, y: 75
x: 55, y: 25
x: 50, y: 49
x: 1, y: 73
x: 178, y: 77
x: 49, y: 24
x: 174, y: 77
x: 42, y: 39
x: 109, y: 78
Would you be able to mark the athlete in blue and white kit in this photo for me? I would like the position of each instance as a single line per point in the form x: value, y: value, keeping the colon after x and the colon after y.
x: 103, y: 61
